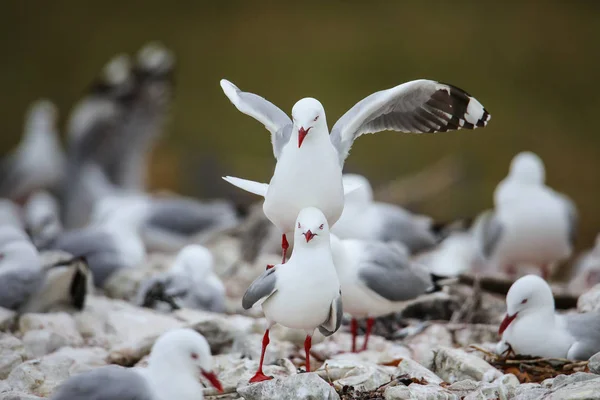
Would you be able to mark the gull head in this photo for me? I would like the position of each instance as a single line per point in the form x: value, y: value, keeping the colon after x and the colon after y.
x: 194, y: 258
x: 308, y: 114
x: 363, y: 194
x: 528, y: 294
x: 154, y: 58
x: 527, y: 167
x: 185, y: 352
x: 311, y: 226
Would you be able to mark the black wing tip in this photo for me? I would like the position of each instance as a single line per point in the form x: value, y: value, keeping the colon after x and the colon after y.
x: 455, y: 101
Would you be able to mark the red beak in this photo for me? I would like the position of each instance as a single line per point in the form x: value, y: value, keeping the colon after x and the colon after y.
x: 212, y: 378
x: 301, y: 135
x: 309, y: 235
x: 506, y: 322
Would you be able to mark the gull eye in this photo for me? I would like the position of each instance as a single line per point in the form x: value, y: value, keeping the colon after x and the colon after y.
x: 298, y: 225
x: 316, y: 118
x: 524, y: 301
x: 194, y: 356
x: 321, y: 227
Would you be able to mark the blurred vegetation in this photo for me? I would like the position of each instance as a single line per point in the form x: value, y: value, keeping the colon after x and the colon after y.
x: 533, y: 64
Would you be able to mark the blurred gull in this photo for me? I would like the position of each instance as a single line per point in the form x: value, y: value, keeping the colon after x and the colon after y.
x: 366, y: 219
x: 376, y: 279
x: 28, y: 285
x: 586, y: 272
x: 532, y: 224
x: 531, y: 327
x: 308, y: 172
x: 190, y: 282
x: 11, y: 214
x: 303, y: 293
x: 41, y: 214
x: 38, y: 162
x: 176, y: 360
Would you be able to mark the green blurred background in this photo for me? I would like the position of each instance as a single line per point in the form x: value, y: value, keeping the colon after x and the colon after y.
x: 533, y: 64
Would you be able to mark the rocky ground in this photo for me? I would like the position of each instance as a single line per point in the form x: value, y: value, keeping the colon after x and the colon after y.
x: 446, y: 356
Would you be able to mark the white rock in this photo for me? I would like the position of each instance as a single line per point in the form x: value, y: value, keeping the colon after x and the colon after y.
x: 18, y: 396
x: 579, y: 390
x: 468, y: 334
x: 418, y: 392
x: 454, y: 365
x: 590, y: 300
x: 250, y: 346
x: 530, y: 391
x: 307, y: 386
x: 41, y: 376
x: 503, y: 388
x: 235, y: 372
x: 380, y: 351
x: 422, y: 344
x: 594, y: 364
x: 7, y: 319
x: 45, y: 333
x: 361, y: 375
x: 416, y: 370
x: 12, y: 353
x: 108, y: 323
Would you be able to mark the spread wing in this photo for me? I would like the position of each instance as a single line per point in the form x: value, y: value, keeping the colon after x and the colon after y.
x: 276, y: 121
x: 421, y: 106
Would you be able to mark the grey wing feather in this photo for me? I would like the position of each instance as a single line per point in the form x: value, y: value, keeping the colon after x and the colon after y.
x: 334, y: 320
x: 421, y: 106
x: 400, y: 226
x: 387, y: 270
x: 188, y: 217
x: 262, y: 287
x: 272, y: 117
x: 489, y: 232
x: 585, y: 329
x: 106, y: 383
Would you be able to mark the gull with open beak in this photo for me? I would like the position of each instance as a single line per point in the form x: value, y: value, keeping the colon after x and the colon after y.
x: 303, y: 293
x: 531, y: 326
x: 309, y: 165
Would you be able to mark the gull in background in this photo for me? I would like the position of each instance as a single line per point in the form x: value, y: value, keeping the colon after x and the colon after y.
x: 531, y: 223
x: 366, y: 219
x: 586, y: 271
x: 531, y: 326
x: 38, y: 162
x: 303, y: 293
x: 176, y: 360
x: 377, y: 279
x: 190, y: 282
x: 41, y: 215
x: 308, y: 172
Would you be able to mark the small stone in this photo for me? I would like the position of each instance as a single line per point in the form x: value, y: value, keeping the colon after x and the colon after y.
x: 416, y: 370
x: 463, y: 387
x: 594, y: 364
x: 12, y: 353
x: 530, y: 391
x: 45, y: 333
x: 417, y: 392
x: 423, y: 344
x: 590, y: 300
x: 502, y: 388
x: 7, y: 319
x: 454, y: 365
x: 307, y: 386
x: 578, y: 390
x: 565, y: 380
x: 362, y: 375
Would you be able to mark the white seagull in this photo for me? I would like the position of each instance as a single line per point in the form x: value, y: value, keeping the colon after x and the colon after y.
x: 303, y: 293
x: 531, y: 224
x: 309, y: 165
x: 531, y: 327
x: 177, y: 359
x: 376, y: 279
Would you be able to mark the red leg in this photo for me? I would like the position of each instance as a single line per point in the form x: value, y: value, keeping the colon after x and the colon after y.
x: 284, y: 246
x: 307, y: 344
x: 370, y: 322
x: 353, y: 331
x: 259, y: 376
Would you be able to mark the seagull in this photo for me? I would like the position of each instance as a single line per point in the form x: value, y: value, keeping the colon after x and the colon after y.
x: 176, y: 360
x: 586, y: 272
x: 190, y: 282
x: 376, y: 279
x: 531, y: 224
x: 41, y: 214
x: 308, y: 172
x: 39, y: 161
x: 303, y: 293
x: 531, y: 326
x: 29, y: 285
x: 366, y: 219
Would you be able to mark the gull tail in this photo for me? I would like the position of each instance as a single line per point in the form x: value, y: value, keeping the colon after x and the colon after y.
x: 249, y: 186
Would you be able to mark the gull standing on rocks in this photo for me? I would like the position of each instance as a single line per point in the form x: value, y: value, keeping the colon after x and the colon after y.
x: 308, y: 172
x: 177, y: 359
x: 366, y: 219
x: 191, y: 282
x: 39, y: 161
x: 303, y: 293
x: 376, y: 279
x: 531, y: 326
x: 531, y: 224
